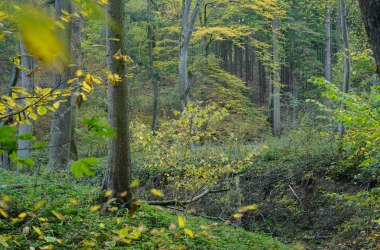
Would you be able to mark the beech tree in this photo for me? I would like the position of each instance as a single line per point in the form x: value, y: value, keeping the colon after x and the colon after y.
x: 118, y: 172
x: 24, y: 146
x: 187, y: 29
x: 61, y: 120
x: 346, y: 55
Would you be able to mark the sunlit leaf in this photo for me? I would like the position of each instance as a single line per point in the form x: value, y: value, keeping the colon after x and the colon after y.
x: 37, y: 32
x: 157, y: 192
x: 237, y: 216
x: 37, y: 230
x: 189, y: 233
x: 58, y: 215
x: 95, y: 208
x: 181, y: 221
x: 41, y: 110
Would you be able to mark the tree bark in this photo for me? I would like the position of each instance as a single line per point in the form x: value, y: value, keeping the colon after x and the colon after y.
x: 371, y: 16
x: 152, y: 71
x: 118, y: 173
x: 187, y: 28
x: 28, y: 84
x: 346, y: 53
x: 276, y: 80
x: 77, y: 59
x: 61, y: 119
x: 328, y: 42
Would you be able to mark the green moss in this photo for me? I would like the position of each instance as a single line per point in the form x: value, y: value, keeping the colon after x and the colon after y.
x: 81, y: 225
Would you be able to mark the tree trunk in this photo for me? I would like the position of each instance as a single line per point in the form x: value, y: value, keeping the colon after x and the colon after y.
x: 5, y: 162
x: 152, y: 71
x: 371, y: 17
x: 328, y: 42
x: 346, y: 52
x: 24, y: 146
x: 276, y: 80
x: 187, y: 28
x: 77, y: 59
x: 118, y: 173
x: 61, y: 119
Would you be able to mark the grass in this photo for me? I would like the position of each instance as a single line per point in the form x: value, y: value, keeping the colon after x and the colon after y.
x: 74, y: 226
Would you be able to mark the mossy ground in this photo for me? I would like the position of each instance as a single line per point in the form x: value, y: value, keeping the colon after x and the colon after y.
x: 82, y: 229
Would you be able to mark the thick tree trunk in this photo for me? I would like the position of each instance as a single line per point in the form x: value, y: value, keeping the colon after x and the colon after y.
x: 61, y: 119
x: 346, y: 53
x: 371, y: 17
x: 24, y: 146
x: 187, y: 28
x: 276, y: 80
x: 152, y: 71
x: 118, y: 173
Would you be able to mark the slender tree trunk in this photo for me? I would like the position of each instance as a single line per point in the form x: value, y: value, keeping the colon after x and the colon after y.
x: 276, y: 80
x: 152, y: 71
x: 77, y: 59
x: 187, y: 28
x: 328, y: 42
x: 118, y: 174
x: 371, y: 17
x: 27, y: 83
x: 61, y: 119
x: 346, y: 52
x: 5, y: 162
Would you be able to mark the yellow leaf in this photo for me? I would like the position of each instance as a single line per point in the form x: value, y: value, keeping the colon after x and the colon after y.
x: 39, y: 205
x: 128, y: 59
x: 37, y: 230
x: 79, y: 73
x: 70, y: 81
x: 134, y: 184
x: 134, y: 235
x: 118, y: 55
x: 32, y: 116
x: 37, y: 32
x: 88, y: 79
x: 248, y: 208
x: 237, y: 216
x: 157, y: 192
x: 3, y: 213
x: 181, y: 221
x: 108, y: 193
x: 189, y: 232
x: 22, y: 215
x: 58, y: 215
x: 95, y: 208
x: 102, y: 225
x: 42, y: 219
x: 104, y: 2
x: 73, y: 201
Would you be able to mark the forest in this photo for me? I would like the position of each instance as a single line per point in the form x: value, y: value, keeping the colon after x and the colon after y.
x: 190, y: 124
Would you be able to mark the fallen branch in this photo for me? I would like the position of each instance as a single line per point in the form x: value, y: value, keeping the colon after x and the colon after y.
x: 14, y: 186
x: 185, y: 202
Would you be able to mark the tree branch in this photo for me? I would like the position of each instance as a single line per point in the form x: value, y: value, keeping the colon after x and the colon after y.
x: 185, y: 202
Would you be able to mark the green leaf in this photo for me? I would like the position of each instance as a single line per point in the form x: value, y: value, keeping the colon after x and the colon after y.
x: 84, y: 167
x: 26, y: 136
x: 41, y: 110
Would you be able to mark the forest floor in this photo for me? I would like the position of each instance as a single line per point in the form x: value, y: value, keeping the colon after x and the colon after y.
x: 61, y: 213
